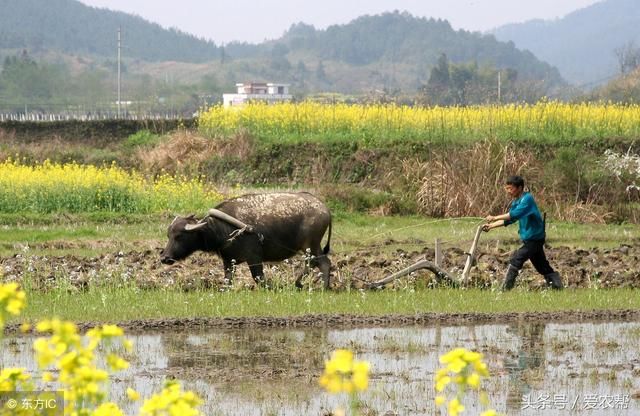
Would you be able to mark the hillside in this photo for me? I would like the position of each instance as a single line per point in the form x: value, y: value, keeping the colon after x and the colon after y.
x: 621, y: 89
x: 403, y: 38
x: 582, y: 44
x: 392, y: 53
x: 69, y: 26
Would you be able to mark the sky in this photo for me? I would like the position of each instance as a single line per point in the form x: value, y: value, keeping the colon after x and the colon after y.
x: 254, y: 21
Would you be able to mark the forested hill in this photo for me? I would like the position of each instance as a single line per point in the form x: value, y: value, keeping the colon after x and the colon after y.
x: 582, y: 44
x: 72, y: 27
x: 401, y: 37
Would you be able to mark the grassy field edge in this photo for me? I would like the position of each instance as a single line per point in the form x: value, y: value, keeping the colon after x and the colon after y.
x: 129, y: 303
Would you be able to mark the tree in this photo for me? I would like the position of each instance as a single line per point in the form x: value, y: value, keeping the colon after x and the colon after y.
x: 628, y: 57
x: 461, y: 77
x: 320, y: 74
x: 279, y: 61
x: 27, y: 83
x: 437, y: 88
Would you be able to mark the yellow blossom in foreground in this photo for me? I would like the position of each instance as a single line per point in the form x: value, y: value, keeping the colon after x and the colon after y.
x: 455, y: 407
x: 442, y: 383
x: 107, y: 409
x: 81, y: 381
x: 343, y: 374
x: 117, y: 363
x: 112, y: 331
x: 12, y: 300
x: 464, y: 369
x: 172, y: 401
x: 12, y: 379
x: 473, y: 380
x: 132, y: 394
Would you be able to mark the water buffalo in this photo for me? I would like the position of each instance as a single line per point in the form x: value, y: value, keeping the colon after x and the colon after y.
x: 255, y: 228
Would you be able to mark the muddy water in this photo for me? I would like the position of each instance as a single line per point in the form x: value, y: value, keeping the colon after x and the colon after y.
x: 537, y: 368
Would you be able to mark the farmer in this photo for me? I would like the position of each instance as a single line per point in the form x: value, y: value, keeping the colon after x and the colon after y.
x: 532, y: 233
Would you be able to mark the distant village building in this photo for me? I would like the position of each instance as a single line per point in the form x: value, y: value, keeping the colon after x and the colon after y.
x: 257, y: 91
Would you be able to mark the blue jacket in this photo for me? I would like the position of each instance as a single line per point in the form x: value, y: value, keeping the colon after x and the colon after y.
x: 525, y: 211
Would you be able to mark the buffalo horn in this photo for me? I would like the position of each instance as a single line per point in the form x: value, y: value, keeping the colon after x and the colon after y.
x: 196, y: 226
x: 226, y: 217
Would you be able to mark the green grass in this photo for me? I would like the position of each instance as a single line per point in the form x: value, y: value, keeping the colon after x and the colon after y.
x: 79, y: 234
x: 122, y: 304
x: 355, y: 230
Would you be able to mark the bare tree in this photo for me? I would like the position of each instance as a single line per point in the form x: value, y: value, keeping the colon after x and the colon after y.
x: 628, y: 57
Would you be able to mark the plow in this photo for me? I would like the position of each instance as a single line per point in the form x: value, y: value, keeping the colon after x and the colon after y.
x: 442, y: 276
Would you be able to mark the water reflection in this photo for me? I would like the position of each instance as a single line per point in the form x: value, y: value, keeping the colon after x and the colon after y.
x: 529, y: 357
x: 558, y: 369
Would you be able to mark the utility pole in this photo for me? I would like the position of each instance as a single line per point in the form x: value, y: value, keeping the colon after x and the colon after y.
x: 499, y: 87
x: 119, y: 47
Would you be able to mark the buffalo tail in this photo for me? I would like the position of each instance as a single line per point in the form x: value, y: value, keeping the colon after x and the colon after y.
x: 326, y: 248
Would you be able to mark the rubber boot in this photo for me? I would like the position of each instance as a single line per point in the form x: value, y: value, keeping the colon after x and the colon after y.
x: 510, y: 278
x: 554, y: 280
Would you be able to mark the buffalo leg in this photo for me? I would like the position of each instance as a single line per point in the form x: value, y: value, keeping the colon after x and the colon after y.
x: 323, y: 263
x: 325, y: 267
x: 257, y: 273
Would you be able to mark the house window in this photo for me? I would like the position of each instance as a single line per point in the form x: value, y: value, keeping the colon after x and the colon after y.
x: 280, y: 90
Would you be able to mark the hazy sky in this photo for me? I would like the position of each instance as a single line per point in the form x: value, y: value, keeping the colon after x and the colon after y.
x: 257, y: 20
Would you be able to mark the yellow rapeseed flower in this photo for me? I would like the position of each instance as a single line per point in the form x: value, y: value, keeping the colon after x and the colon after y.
x: 546, y: 120
x: 473, y: 380
x: 132, y: 394
x: 343, y: 374
x: 107, y: 409
x: 112, y: 331
x: 12, y: 300
x: 52, y: 187
x: 464, y: 369
x: 455, y: 407
x: 117, y: 363
x: 173, y: 401
x: 78, y: 375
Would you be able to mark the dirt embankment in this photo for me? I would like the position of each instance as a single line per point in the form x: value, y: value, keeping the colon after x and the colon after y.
x: 86, y: 131
x: 348, y: 321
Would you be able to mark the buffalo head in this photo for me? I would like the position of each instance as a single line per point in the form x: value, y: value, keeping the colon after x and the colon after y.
x: 184, y: 239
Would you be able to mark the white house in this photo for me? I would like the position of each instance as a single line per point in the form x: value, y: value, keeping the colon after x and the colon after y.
x: 250, y: 91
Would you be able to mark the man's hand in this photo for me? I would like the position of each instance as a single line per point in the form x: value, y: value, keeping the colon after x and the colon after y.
x: 490, y: 218
x: 491, y: 225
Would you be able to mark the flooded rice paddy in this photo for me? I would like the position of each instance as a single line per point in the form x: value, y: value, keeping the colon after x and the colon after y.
x: 536, y: 368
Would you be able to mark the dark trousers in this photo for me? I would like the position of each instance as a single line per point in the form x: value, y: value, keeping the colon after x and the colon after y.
x: 532, y: 250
